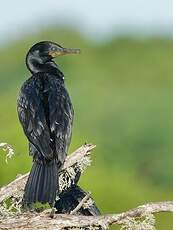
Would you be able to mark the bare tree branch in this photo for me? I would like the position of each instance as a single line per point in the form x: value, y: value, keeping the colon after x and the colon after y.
x: 81, y: 203
x: 42, y: 220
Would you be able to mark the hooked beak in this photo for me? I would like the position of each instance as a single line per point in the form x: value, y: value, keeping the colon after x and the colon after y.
x: 63, y: 51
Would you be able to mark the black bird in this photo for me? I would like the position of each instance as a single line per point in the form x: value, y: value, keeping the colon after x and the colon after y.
x: 46, y: 114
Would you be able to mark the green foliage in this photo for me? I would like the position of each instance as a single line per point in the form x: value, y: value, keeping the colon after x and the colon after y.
x: 39, y: 207
x: 122, y: 95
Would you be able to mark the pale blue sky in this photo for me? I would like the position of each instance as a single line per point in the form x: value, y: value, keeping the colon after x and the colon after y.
x: 93, y: 17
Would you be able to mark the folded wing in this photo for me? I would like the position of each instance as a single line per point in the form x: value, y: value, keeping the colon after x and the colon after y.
x: 61, y: 118
x: 32, y: 117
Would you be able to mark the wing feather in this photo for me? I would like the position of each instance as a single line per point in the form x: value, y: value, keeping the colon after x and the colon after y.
x: 61, y: 117
x: 32, y: 117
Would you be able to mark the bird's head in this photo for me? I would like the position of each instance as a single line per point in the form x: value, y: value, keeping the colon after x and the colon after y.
x: 40, y: 56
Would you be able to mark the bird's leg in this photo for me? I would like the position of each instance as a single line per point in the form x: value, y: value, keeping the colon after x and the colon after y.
x: 52, y: 213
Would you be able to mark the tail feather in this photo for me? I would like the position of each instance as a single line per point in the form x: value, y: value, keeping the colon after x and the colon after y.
x: 29, y: 184
x: 38, y: 183
x: 42, y: 184
x: 51, y: 183
x: 45, y: 185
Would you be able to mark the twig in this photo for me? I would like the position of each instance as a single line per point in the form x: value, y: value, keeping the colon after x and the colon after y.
x: 81, y: 203
x: 8, y: 149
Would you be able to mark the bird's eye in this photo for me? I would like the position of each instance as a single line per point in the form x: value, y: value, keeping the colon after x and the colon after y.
x: 53, y: 48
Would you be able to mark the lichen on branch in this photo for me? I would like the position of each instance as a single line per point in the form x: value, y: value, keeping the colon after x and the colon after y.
x: 12, y: 216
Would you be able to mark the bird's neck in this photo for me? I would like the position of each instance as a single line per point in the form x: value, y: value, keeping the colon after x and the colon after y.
x: 36, y: 66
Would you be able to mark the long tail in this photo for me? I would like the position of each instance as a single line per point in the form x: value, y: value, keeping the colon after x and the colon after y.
x: 42, y: 184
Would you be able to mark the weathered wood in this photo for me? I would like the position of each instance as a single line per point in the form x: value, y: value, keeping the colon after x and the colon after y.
x: 42, y: 220
x: 80, y: 204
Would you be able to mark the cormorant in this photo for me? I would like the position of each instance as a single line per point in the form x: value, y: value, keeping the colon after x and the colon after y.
x: 46, y: 114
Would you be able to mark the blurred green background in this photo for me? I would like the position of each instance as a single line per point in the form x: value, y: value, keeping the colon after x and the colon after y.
x: 122, y: 91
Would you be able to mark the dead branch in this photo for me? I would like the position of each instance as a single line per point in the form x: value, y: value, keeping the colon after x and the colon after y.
x: 80, y: 204
x: 42, y: 220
